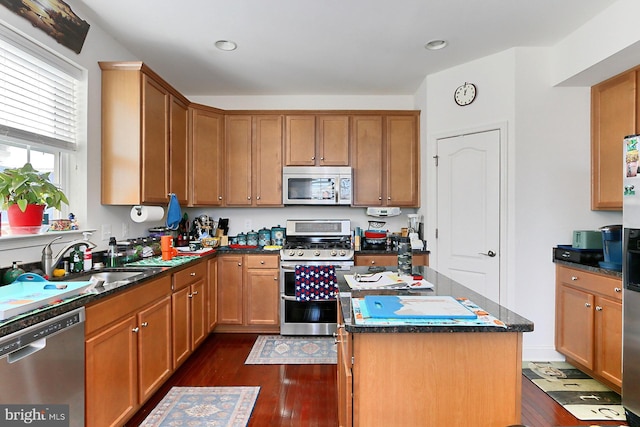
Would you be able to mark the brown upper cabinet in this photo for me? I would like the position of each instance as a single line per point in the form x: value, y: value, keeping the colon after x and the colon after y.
x: 385, y: 157
x: 253, y: 160
x: 144, y: 136
x: 614, y: 115
x: 206, y: 154
x: 317, y: 140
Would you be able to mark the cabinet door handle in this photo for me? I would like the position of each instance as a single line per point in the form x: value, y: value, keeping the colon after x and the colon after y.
x: 321, y: 158
x: 275, y: 278
x: 189, y: 295
x: 192, y: 274
x: 588, y: 305
x: 618, y: 290
x: 598, y: 308
x: 313, y: 157
x: 219, y: 197
x: 389, y: 198
x: 574, y: 278
x: 135, y: 330
x: 379, y: 197
x: 239, y: 264
x: 195, y: 293
x: 248, y: 197
x: 258, y: 198
x: 145, y: 324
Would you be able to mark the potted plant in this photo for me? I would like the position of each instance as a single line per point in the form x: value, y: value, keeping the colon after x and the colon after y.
x: 25, y: 193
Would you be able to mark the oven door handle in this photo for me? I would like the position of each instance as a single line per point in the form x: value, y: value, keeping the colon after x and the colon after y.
x: 288, y: 298
x: 288, y: 267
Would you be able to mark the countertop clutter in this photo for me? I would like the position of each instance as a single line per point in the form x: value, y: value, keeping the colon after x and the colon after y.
x: 442, y: 286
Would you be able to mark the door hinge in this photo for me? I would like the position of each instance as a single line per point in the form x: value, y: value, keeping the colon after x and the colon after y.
x: 353, y: 360
x: 436, y: 233
x: 435, y: 159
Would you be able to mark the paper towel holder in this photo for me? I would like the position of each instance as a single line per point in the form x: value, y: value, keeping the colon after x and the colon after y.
x: 138, y: 209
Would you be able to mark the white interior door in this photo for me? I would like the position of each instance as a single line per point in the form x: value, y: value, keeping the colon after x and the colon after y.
x: 468, y: 211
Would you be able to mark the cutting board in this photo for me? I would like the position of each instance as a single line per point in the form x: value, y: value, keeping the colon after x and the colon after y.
x: 29, y: 294
x: 416, y: 307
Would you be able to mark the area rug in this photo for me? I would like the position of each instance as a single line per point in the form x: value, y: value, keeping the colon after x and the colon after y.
x: 585, y: 398
x: 286, y: 350
x: 204, y: 406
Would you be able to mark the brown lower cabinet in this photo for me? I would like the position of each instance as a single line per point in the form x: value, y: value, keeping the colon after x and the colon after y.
x: 248, y: 292
x: 128, y: 351
x: 189, y: 311
x: 589, y: 322
x: 135, y: 339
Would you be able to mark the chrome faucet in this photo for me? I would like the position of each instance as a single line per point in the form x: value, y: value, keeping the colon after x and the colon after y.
x: 49, y: 262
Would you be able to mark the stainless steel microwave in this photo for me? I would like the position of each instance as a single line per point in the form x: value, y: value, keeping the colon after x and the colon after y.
x: 316, y: 185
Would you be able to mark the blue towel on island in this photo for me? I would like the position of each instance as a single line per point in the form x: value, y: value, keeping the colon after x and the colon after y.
x: 174, y: 213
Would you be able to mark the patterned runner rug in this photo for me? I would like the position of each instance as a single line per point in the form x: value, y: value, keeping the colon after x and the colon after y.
x: 585, y: 398
x: 286, y: 350
x: 204, y: 406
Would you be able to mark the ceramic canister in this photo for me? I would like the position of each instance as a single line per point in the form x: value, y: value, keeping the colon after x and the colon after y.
x: 264, y: 237
x: 252, y: 238
x: 277, y: 235
x: 242, y: 239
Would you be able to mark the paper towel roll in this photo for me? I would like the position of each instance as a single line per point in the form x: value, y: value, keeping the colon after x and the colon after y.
x: 146, y: 213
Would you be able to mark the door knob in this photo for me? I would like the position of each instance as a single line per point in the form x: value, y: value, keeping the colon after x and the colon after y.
x: 490, y: 254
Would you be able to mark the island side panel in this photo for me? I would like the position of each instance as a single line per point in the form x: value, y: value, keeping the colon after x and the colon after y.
x: 437, y: 379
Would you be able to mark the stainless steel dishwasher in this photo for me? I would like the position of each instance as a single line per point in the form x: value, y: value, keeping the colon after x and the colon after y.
x: 43, y: 364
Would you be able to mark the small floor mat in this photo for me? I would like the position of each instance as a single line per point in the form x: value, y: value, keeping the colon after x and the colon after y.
x: 585, y: 398
x: 204, y: 406
x: 292, y: 350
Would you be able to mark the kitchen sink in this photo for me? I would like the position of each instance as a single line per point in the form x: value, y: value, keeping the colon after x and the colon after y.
x: 109, y: 278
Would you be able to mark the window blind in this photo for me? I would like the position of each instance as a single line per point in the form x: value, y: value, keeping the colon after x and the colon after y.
x: 39, y: 100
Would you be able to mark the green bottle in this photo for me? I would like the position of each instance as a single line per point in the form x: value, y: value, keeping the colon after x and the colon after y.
x: 12, y: 274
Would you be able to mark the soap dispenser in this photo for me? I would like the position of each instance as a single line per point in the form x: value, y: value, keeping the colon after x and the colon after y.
x: 12, y: 274
x: 88, y: 255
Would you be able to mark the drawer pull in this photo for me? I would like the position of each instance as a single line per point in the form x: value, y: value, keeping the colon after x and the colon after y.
x: 588, y: 305
x: 598, y: 308
x: 574, y: 278
x: 373, y: 261
x: 618, y: 290
x: 262, y: 262
x: 192, y: 274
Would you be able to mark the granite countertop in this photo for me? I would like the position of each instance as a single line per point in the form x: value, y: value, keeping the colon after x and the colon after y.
x: 443, y: 286
x: 24, y: 320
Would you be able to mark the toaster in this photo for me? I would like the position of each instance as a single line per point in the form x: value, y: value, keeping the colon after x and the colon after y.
x: 587, y: 239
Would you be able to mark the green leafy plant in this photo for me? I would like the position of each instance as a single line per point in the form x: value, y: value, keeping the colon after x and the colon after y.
x: 25, y: 185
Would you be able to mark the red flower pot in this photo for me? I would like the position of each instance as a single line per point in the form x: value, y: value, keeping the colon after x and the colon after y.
x: 31, y: 217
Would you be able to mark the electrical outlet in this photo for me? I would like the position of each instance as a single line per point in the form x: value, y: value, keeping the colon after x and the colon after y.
x: 125, y: 230
x: 106, y: 232
x: 247, y: 224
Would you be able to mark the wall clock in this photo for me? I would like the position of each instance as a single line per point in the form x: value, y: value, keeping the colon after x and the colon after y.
x: 465, y: 94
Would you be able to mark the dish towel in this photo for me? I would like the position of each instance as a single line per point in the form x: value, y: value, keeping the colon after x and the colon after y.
x: 174, y: 213
x: 316, y: 283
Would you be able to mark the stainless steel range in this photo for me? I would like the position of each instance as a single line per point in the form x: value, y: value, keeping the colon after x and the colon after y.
x: 312, y: 243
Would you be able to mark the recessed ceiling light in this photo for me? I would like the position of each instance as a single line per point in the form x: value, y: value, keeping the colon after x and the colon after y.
x: 226, y: 45
x: 435, y: 44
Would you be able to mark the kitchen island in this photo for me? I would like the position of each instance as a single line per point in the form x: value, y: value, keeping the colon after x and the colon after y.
x: 429, y: 375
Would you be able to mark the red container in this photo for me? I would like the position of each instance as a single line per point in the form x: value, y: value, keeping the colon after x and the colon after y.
x: 31, y: 217
x: 375, y: 235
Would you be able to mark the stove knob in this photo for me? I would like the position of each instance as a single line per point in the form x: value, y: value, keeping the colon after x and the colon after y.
x: 343, y: 253
x: 300, y: 252
x: 292, y: 252
x: 334, y: 253
x: 316, y: 253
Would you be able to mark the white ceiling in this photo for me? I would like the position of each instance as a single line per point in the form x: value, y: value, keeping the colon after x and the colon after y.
x: 326, y: 47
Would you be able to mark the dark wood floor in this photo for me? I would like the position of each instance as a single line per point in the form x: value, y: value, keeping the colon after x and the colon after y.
x: 305, y: 395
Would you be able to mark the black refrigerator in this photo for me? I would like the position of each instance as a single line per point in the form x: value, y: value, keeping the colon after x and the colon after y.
x: 631, y: 326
